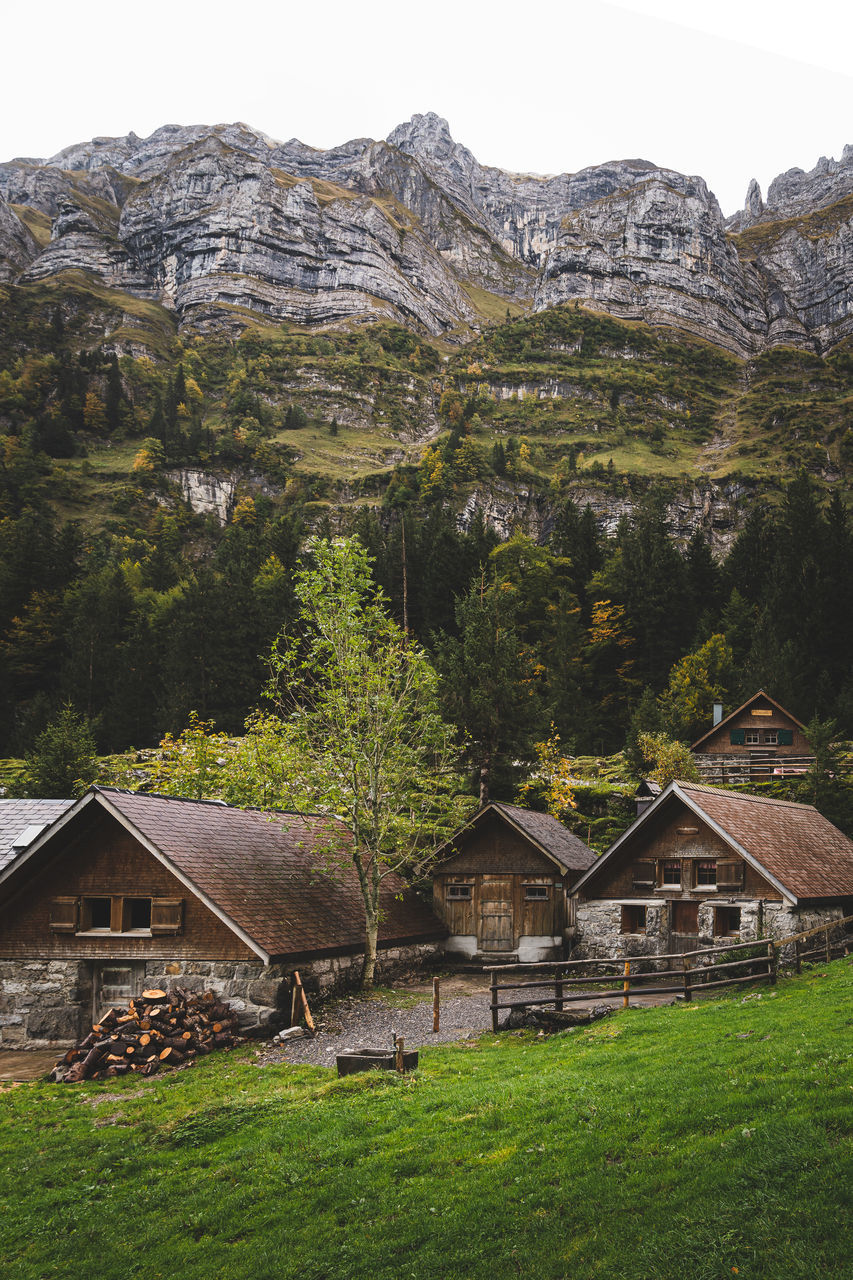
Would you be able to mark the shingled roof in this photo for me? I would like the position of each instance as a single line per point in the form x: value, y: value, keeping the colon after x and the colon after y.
x: 547, y: 833
x: 792, y: 844
x: 21, y: 821
x: 262, y: 872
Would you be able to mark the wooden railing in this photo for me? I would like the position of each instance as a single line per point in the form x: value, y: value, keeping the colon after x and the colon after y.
x: 576, y: 980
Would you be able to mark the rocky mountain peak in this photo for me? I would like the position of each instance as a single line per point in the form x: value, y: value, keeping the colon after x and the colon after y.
x: 423, y: 135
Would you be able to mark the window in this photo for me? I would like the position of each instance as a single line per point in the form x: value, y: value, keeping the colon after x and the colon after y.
x: 633, y: 919
x: 459, y: 892
x: 97, y: 914
x: 771, y: 737
x: 136, y: 914
x: 536, y: 892
x: 726, y: 921
x: 706, y: 875
x: 120, y: 915
x: 753, y: 738
x: 671, y: 873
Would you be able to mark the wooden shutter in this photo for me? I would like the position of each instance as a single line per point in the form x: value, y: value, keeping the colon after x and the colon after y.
x: 644, y: 874
x: 167, y: 915
x: 737, y: 737
x: 63, y: 915
x: 730, y: 875
x: 786, y: 737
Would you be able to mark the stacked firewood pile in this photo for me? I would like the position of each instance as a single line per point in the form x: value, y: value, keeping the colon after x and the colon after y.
x: 156, y: 1030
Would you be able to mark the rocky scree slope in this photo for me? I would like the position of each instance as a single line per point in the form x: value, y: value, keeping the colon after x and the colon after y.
x: 224, y: 226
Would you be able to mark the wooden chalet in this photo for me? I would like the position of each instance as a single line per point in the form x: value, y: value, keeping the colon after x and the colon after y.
x: 125, y: 890
x: 758, y: 740
x: 701, y: 865
x: 503, y: 885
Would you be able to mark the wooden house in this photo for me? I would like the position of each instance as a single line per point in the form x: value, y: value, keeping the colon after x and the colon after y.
x: 759, y: 739
x: 125, y: 891
x: 503, y: 884
x: 702, y: 865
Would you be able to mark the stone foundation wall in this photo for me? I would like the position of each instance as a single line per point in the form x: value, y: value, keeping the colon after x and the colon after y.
x: 599, y: 926
x: 49, y: 1002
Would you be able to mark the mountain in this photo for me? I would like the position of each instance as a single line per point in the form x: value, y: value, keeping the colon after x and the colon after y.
x: 223, y: 226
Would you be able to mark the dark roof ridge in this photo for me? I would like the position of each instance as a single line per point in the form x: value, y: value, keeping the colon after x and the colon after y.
x: 223, y: 804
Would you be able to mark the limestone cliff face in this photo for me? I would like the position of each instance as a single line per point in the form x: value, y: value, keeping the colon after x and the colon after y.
x: 222, y: 223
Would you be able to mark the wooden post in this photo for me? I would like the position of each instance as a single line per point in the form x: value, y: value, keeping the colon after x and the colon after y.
x: 295, y: 1002
x: 558, y: 990
x: 688, y: 995
x: 435, y: 1004
x: 398, y: 1061
x: 309, y: 1021
x: 828, y: 944
x: 771, y: 963
x: 626, y: 985
x: 797, y: 959
x: 494, y: 1001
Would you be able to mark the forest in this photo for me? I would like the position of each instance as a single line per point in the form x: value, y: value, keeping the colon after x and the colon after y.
x: 119, y: 600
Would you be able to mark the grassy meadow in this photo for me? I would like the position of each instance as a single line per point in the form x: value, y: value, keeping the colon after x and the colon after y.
x: 704, y: 1141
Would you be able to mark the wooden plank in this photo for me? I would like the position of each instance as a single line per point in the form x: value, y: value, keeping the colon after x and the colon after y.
x: 435, y: 1004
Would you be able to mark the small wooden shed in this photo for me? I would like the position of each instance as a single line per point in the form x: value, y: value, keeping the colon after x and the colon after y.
x: 503, y: 885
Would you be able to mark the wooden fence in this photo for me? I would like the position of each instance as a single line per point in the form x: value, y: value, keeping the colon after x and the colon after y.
x: 574, y: 980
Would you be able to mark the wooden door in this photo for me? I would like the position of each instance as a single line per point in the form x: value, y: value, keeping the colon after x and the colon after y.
x: 685, y: 926
x: 496, y: 932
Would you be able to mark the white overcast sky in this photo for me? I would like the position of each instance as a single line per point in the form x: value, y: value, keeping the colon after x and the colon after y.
x: 729, y: 89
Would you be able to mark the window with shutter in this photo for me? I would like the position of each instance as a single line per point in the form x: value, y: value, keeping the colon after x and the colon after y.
x: 167, y: 915
x: 644, y: 874
x: 63, y: 915
x: 730, y: 875
x: 737, y: 737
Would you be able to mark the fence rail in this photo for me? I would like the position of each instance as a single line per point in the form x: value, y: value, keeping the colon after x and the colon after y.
x: 699, y: 970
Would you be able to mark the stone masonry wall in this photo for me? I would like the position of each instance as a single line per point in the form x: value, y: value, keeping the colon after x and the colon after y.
x: 49, y: 1002
x: 599, y: 926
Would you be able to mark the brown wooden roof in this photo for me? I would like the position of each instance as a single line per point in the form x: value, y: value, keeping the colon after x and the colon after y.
x: 547, y: 833
x: 792, y: 844
x: 760, y: 694
x: 264, y: 872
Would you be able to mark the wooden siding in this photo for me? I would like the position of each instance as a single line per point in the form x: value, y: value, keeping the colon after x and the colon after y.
x: 676, y: 837
x: 104, y: 860
x: 720, y: 743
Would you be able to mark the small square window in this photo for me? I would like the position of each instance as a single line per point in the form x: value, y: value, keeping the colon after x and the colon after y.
x: 459, y: 892
x: 706, y: 874
x: 96, y: 913
x: 672, y: 873
x: 726, y: 921
x: 753, y: 737
x: 771, y: 737
x: 633, y: 919
x: 136, y: 914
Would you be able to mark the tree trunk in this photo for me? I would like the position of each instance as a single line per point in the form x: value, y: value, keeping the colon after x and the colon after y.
x: 370, y: 941
x: 485, y: 773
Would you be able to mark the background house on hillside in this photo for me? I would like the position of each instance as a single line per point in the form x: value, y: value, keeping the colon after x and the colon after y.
x: 503, y: 884
x: 701, y: 865
x: 125, y: 891
x: 760, y: 739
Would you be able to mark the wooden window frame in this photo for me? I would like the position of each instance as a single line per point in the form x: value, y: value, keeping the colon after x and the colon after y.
x: 165, y: 916
x: 670, y: 864
x: 459, y: 892
x: 633, y: 914
x: 771, y: 737
x: 537, y: 893
x: 726, y: 911
x: 753, y: 737
x: 702, y: 868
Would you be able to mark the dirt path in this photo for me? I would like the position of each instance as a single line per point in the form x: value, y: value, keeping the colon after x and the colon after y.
x: 369, y: 1022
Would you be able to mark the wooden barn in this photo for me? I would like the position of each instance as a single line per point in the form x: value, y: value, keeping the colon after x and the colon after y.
x: 702, y: 865
x: 759, y: 739
x: 124, y: 891
x: 503, y: 885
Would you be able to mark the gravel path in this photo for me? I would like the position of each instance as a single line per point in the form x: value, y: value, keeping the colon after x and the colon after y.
x: 359, y: 1022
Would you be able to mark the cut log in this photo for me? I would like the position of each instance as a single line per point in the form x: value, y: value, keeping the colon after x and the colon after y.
x: 154, y: 994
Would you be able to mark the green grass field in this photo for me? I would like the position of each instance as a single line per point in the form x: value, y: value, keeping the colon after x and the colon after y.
x: 703, y: 1141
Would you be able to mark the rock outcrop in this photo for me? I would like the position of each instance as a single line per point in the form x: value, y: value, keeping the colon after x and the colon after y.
x: 223, y: 223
